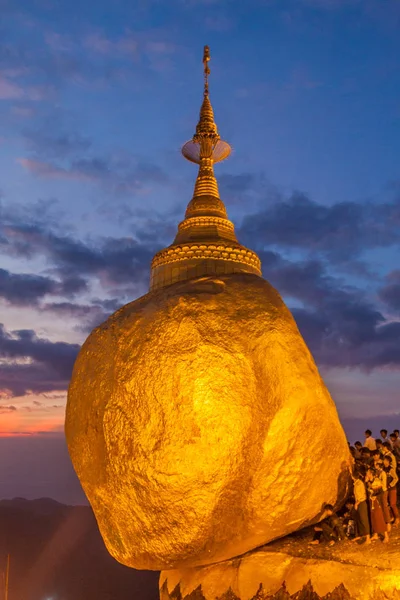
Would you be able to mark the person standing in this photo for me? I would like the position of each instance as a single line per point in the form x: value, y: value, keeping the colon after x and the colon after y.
x: 384, y: 436
x: 378, y: 525
x: 387, y: 451
x: 376, y: 458
x: 369, y: 441
x: 379, y: 445
x: 395, y: 439
x: 383, y: 495
x: 366, y: 457
x: 357, y: 453
x: 392, y: 481
x: 363, y: 527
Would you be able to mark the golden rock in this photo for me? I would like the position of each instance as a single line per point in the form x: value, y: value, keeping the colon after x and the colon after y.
x: 199, y: 426
x: 197, y: 421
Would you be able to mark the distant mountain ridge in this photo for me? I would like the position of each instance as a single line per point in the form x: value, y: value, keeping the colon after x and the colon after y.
x: 38, y: 505
x: 57, y: 552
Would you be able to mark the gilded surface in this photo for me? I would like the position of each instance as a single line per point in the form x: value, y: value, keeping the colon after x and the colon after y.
x: 266, y: 575
x: 199, y: 425
x: 194, y: 259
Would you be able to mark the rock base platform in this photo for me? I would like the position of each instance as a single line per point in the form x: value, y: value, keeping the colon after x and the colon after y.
x: 291, y: 569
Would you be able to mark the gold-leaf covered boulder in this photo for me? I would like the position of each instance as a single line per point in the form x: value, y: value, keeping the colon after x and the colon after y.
x: 197, y: 421
x: 199, y: 425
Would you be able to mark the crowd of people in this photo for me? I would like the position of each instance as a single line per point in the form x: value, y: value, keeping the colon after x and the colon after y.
x: 371, y: 511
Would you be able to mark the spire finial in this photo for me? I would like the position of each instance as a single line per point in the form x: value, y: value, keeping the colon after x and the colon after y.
x: 206, y: 60
x: 206, y: 142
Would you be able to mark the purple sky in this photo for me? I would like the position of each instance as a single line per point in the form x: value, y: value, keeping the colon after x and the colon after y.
x: 95, y: 101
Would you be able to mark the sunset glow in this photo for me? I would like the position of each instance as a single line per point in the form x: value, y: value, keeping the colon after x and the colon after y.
x: 33, y: 414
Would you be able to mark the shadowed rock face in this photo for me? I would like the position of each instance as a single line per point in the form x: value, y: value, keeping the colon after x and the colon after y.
x: 199, y: 426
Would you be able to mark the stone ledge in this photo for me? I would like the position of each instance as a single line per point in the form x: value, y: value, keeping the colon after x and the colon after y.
x: 289, y: 569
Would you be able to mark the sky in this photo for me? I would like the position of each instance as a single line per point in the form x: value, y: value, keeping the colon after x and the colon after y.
x: 96, y: 100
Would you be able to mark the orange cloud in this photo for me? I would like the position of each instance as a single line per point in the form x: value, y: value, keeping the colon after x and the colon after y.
x: 33, y: 415
x: 50, y: 171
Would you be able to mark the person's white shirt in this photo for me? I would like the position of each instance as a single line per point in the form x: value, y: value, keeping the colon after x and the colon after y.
x: 370, y: 443
x: 386, y: 439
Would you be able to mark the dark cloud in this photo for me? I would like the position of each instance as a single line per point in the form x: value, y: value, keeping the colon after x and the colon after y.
x: 120, y: 265
x: 234, y: 184
x: 246, y: 191
x: 4, y: 409
x: 114, y: 261
x: 26, y: 289
x: 69, y: 309
x: 339, y: 323
x: 88, y: 316
x: 41, y: 212
x: 307, y: 281
x: 341, y: 231
x: 109, y: 305
x: 43, y: 142
x: 390, y: 293
x: 351, y: 341
x: 53, y: 395
x: 34, y: 364
x: 125, y: 175
x: 152, y: 229
x: 72, y: 285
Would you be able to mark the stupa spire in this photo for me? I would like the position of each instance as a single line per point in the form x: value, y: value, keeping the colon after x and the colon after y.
x: 206, y: 146
x: 206, y: 243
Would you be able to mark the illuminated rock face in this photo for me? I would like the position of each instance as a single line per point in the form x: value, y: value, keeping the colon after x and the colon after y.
x: 199, y: 426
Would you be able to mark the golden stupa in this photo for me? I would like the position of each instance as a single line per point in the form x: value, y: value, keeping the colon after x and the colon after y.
x: 205, y: 244
x: 197, y: 421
